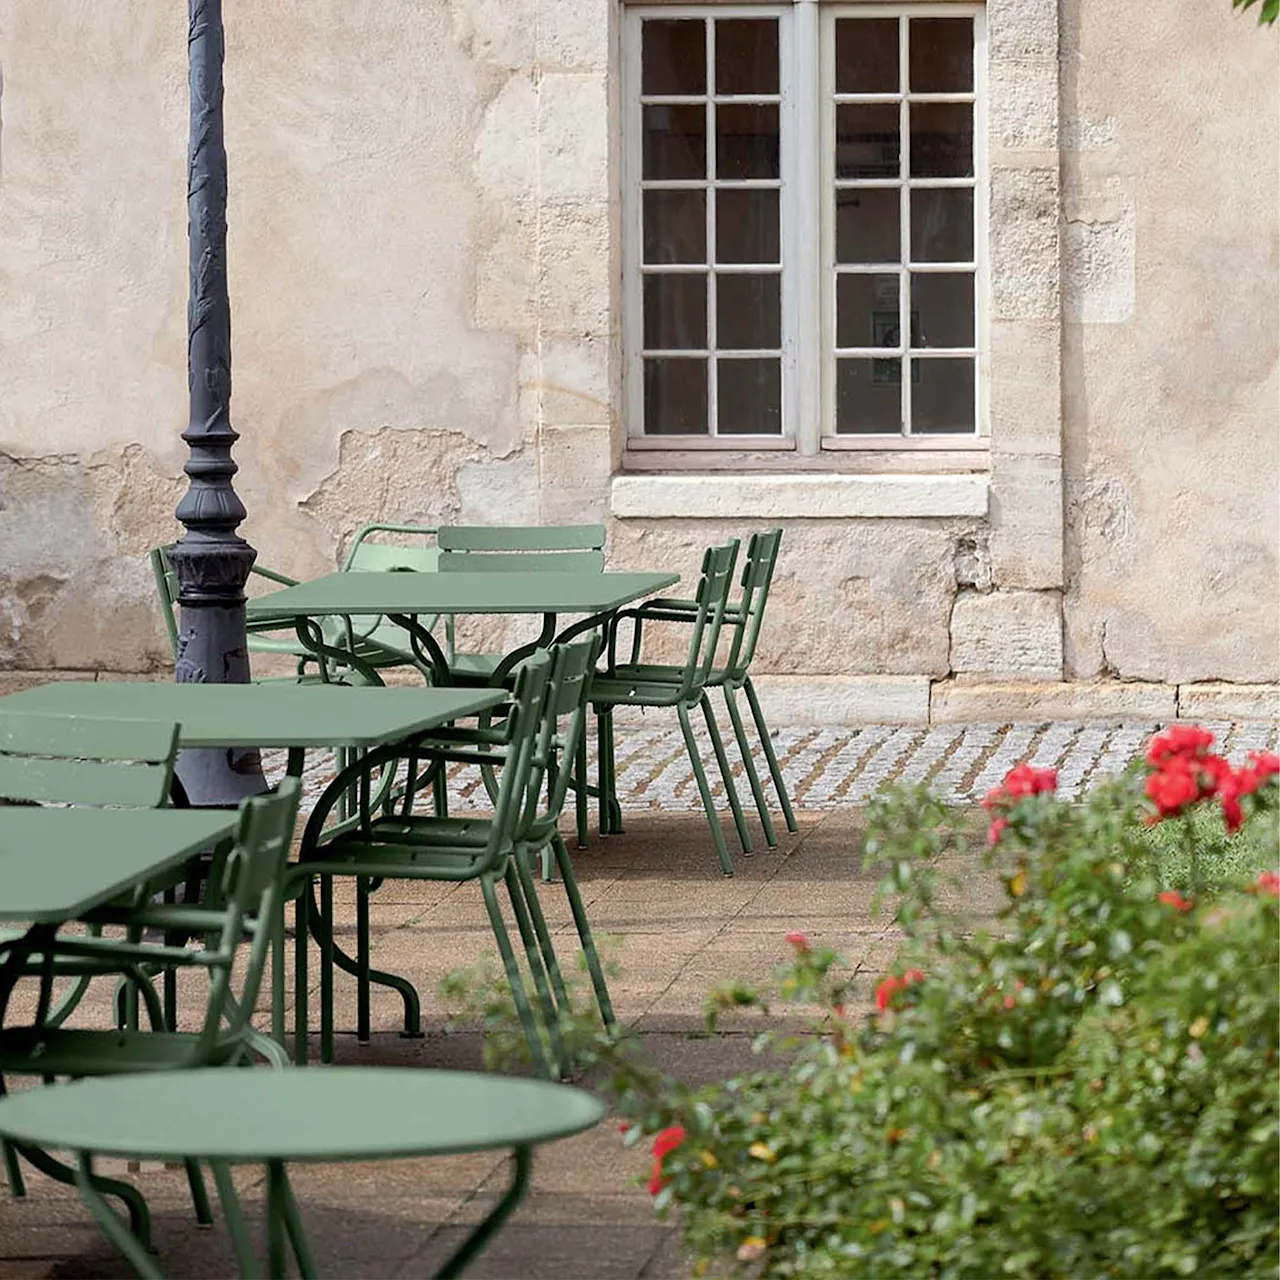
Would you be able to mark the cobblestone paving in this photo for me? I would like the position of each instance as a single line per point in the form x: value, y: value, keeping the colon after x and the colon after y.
x: 832, y: 768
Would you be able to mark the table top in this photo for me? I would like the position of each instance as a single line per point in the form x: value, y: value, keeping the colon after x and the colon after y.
x: 56, y: 864
x: 420, y: 593
x: 263, y: 715
x: 297, y: 1114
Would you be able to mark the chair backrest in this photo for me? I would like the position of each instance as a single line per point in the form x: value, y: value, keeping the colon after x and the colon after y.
x: 62, y: 759
x: 757, y: 575
x: 711, y: 600
x: 563, y: 722
x: 366, y: 556
x: 244, y: 889
x: 167, y: 588
x: 562, y: 548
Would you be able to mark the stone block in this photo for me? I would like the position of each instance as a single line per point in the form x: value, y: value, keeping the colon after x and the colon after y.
x: 574, y: 381
x: 961, y: 701
x: 573, y: 136
x: 1011, y: 634
x: 1026, y: 521
x: 574, y: 464
x: 1024, y: 243
x: 1023, y: 96
x: 1022, y: 29
x: 493, y: 491
x: 573, y: 37
x: 1025, y: 388
x: 1099, y: 268
x: 506, y: 159
x: 1222, y: 701
x: 575, y: 275
x: 843, y: 700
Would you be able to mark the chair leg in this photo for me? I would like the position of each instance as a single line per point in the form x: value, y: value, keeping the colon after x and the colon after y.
x: 301, y: 934
x: 199, y: 1196
x: 726, y: 773
x: 769, y: 754
x: 749, y: 768
x: 325, y: 923
x: 514, y: 977
x: 704, y: 789
x: 533, y: 954
x: 13, y: 1172
x: 363, y: 1019
x: 545, y: 945
x: 604, y: 731
x: 584, y: 930
x: 580, y: 797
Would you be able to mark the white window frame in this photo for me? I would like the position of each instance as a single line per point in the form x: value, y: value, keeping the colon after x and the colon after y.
x: 807, y: 235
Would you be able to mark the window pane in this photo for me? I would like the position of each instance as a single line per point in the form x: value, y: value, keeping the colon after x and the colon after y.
x: 867, y: 221
x: 675, y: 142
x: 867, y: 55
x: 674, y: 56
x: 941, y: 55
x: 675, y: 226
x: 867, y: 312
x: 750, y: 397
x: 942, y: 310
x: 942, y: 396
x: 941, y: 140
x: 747, y: 55
x: 748, y: 312
x: 942, y: 225
x: 868, y: 397
x: 675, y: 397
x: 675, y: 312
x: 747, y: 226
x: 747, y: 142
x: 867, y: 140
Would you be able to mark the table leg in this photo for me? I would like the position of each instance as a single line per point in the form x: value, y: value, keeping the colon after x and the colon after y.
x: 237, y: 1228
x: 312, y: 638
x: 115, y: 1230
x: 434, y: 660
x: 283, y: 1220
x: 467, y: 1251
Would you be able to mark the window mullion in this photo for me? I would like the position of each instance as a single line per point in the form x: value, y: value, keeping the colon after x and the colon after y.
x: 806, y: 201
x: 713, y: 366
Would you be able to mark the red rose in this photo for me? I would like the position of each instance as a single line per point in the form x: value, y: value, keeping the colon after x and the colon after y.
x: 1174, y: 787
x: 890, y: 986
x: 1024, y: 780
x: 1178, y: 740
x: 996, y: 830
x: 1269, y: 882
x: 1172, y: 898
x: 799, y: 940
x: 663, y: 1144
x: 1265, y: 763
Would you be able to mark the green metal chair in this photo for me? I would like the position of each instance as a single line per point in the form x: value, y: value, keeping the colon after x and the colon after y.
x: 683, y: 687
x: 568, y: 548
x: 745, y: 616
x: 241, y: 902
x: 396, y: 842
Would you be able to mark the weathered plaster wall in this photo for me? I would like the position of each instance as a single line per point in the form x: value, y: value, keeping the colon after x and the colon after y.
x: 424, y: 263
x: 1171, y: 392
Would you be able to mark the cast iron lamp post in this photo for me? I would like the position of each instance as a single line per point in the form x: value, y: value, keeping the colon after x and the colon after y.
x: 212, y: 561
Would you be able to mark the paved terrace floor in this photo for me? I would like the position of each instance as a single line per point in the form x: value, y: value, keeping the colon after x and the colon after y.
x: 675, y: 926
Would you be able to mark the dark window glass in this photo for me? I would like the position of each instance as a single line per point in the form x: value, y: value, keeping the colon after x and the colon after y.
x: 747, y: 55
x: 941, y: 139
x: 675, y: 396
x: 747, y: 141
x: 675, y: 312
x: 749, y: 395
x: 867, y: 55
x: 675, y: 142
x: 748, y: 312
x: 867, y: 140
x: 868, y: 397
x: 942, y: 396
x: 942, y: 224
x: 867, y: 311
x: 942, y: 309
x: 941, y: 55
x: 867, y: 228
x: 673, y: 56
x: 747, y: 228
x: 675, y: 226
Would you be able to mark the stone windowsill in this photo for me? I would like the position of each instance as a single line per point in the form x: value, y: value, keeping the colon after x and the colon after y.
x: 797, y: 497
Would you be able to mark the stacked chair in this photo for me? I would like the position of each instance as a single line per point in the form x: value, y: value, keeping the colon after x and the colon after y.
x: 543, y: 723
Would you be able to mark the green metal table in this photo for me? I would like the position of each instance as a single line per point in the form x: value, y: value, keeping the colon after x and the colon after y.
x: 259, y: 716
x: 306, y: 1114
x: 58, y: 864
x: 404, y: 597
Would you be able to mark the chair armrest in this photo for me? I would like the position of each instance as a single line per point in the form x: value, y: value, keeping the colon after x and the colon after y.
x: 273, y: 575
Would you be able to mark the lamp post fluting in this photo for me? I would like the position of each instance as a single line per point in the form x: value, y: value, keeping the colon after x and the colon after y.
x: 211, y: 560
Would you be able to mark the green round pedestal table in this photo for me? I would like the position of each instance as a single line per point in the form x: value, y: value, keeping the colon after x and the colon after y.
x: 316, y: 1115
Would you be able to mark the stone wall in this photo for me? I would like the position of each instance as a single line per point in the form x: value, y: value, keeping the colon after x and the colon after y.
x: 424, y: 265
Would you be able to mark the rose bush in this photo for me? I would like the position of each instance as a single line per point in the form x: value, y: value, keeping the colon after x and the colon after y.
x: 1090, y: 1089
